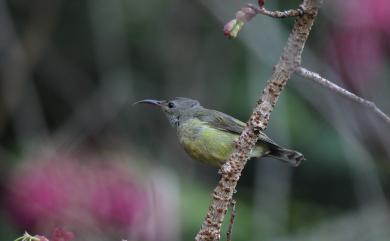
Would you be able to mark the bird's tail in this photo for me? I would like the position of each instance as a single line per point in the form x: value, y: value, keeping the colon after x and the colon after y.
x: 292, y: 157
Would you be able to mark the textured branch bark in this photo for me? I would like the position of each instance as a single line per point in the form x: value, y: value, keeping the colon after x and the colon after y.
x: 289, y: 61
x: 277, y: 14
x: 343, y: 92
x: 231, y: 222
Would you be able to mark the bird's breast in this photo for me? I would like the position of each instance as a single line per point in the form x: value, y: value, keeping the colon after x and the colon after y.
x: 204, y: 143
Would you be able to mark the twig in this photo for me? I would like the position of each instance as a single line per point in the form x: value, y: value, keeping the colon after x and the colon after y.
x: 277, y: 14
x: 342, y: 92
x: 245, y: 14
x: 232, y: 216
x: 231, y: 171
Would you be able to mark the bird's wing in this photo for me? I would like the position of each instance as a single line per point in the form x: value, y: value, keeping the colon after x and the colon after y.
x: 224, y: 122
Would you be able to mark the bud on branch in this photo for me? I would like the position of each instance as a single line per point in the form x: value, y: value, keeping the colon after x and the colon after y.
x: 246, y: 13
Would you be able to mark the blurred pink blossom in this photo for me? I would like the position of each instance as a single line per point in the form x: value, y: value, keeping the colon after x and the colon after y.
x: 41, y: 238
x: 61, y: 191
x: 365, y: 14
x: 60, y: 234
x: 357, y: 44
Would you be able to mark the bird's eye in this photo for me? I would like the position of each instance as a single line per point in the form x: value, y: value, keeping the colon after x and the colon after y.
x: 171, y: 105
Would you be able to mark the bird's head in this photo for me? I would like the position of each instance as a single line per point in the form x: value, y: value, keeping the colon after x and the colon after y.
x: 176, y: 109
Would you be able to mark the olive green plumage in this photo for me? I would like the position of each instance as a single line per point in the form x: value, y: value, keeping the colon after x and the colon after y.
x: 208, y: 135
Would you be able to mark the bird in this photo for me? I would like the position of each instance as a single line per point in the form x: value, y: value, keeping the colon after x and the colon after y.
x: 209, y: 135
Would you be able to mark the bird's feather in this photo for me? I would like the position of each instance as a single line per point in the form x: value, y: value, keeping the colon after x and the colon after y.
x: 224, y: 122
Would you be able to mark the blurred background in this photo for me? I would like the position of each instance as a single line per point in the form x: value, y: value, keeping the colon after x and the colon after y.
x: 74, y: 152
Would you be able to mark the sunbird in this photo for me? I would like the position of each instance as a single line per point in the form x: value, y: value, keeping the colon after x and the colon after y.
x: 208, y: 135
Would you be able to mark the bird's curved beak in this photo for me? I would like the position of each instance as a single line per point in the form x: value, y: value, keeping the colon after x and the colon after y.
x: 150, y: 102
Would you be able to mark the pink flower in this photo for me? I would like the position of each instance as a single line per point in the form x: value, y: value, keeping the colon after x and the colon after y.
x: 365, y: 14
x: 357, y: 56
x: 116, y: 199
x: 60, y: 234
x: 41, y: 238
x: 60, y: 191
x: 357, y: 44
x: 39, y: 192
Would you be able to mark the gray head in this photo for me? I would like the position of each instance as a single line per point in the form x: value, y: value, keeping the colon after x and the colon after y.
x: 177, y: 109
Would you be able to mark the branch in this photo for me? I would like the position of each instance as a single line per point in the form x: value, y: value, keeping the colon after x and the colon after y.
x: 246, y: 13
x: 277, y: 14
x: 231, y: 170
x: 342, y: 92
x: 232, y: 216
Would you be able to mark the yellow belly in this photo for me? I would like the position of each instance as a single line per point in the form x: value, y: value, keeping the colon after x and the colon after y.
x: 207, y: 144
